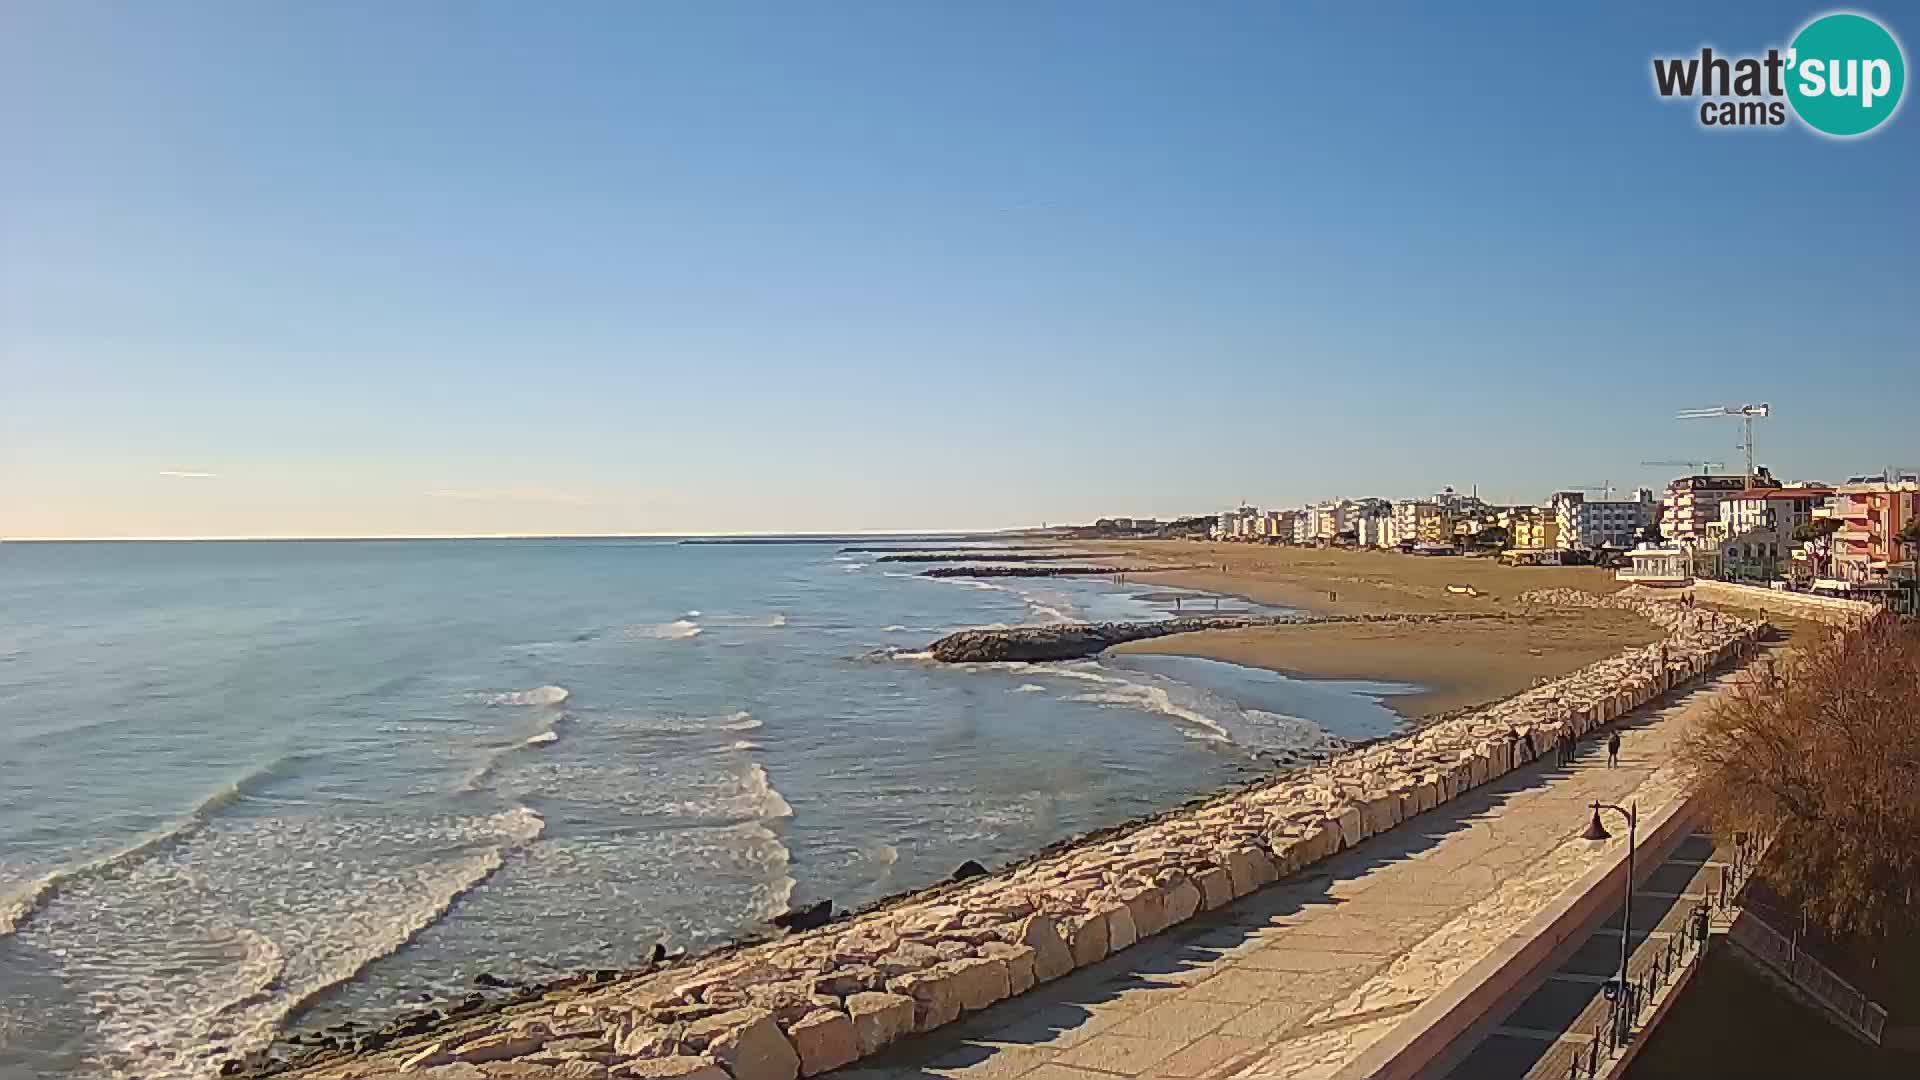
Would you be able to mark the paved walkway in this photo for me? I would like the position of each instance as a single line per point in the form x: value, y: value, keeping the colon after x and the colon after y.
x: 1299, y: 978
x: 1563, y: 1017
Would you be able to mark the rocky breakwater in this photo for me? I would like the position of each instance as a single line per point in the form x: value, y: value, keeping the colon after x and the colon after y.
x: 1044, y: 571
x: 1071, y: 641
x: 831, y: 996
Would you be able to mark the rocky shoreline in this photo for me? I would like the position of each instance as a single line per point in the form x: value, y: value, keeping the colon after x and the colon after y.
x: 1073, y: 641
x: 982, y: 556
x: 1044, y: 571
x: 826, y: 997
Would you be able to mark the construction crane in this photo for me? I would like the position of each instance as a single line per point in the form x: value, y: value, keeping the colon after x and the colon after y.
x: 1705, y: 466
x: 1609, y: 489
x: 1746, y: 413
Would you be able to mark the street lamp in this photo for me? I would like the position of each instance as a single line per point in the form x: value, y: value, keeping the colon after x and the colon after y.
x: 1598, y: 831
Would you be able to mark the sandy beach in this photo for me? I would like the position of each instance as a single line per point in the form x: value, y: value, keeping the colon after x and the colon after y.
x: 1460, y: 664
x: 1333, y: 581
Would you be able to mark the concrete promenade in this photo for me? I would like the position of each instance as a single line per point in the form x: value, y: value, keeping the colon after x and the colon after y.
x: 1302, y: 977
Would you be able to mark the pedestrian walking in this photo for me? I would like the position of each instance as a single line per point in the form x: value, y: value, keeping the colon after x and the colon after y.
x: 1566, y: 743
x: 1613, y: 750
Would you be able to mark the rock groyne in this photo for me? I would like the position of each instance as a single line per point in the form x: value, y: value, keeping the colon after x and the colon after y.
x: 1044, y: 571
x: 828, y: 997
x: 1073, y: 641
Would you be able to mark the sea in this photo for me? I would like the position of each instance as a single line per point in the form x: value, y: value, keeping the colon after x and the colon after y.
x: 253, y: 787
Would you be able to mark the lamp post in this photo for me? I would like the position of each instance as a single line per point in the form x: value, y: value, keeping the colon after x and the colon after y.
x: 1598, y: 831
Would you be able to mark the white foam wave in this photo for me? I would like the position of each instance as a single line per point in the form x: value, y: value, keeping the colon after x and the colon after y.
x: 882, y: 854
x: 539, y: 695
x: 1155, y: 699
x: 542, y: 739
x: 777, y: 619
x: 853, y: 567
x: 1029, y: 688
x: 252, y: 933
x: 15, y: 910
x: 771, y: 803
x: 775, y: 895
x: 693, y: 614
x: 738, y: 721
x: 673, y: 631
x: 896, y: 628
x: 741, y: 746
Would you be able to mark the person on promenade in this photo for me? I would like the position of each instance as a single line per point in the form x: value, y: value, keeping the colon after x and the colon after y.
x: 1566, y: 743
x: 1613, y: 750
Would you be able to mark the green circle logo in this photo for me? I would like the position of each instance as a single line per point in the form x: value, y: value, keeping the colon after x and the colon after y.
x: 1845, y: 73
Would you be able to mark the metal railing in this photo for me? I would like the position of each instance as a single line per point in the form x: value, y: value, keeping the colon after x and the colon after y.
x: 1742, y: 860
x: 1614, y: 1018
x: 1817, y: 980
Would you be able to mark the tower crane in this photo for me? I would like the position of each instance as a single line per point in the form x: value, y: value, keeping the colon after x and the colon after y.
x: 1705, y: 466
x: 1746, y: 413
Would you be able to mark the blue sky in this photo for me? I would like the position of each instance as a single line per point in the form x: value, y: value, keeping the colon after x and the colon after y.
x: 671, y: 267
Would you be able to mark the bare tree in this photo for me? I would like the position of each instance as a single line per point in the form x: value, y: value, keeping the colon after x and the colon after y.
x: 1824, y: 754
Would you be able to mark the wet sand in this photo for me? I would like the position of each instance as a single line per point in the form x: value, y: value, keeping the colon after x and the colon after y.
x: 1456, y: 664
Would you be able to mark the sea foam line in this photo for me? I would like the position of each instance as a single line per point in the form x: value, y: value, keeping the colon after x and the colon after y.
x: 195, y: 1041
x: 15, y: 910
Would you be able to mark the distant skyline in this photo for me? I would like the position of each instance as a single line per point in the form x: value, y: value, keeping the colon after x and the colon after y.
x: 360, y: 269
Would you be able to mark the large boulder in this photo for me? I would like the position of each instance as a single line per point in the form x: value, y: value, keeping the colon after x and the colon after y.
x: 748, y: 1044
x: 825, y: 1040
x: 936, y: 999
x: 1019, y: 960
x: 1051, y: 956
x: 671, y: 1068
x: 979, y: 981
x: 879, y: 1019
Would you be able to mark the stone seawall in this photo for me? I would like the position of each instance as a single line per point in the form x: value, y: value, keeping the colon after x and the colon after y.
x: 1826, y: 609
x: 1071, y: 641
x: 828, y: 997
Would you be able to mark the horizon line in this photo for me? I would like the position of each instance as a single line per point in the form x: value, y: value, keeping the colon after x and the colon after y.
x: 826, y: 534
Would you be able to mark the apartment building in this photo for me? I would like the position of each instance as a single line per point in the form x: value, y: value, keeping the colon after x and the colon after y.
x: 1754, y: 534
x: 1595, y: 523
x: 1417, y: 520
x: 1867, y: 549
x: 1534, y: 528
x: 1693, y: 502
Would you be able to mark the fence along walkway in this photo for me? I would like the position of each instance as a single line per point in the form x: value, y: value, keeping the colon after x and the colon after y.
x: 1781, y: 954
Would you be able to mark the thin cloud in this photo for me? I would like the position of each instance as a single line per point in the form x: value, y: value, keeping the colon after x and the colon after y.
x: 545, y: 496
x: 179, y: 474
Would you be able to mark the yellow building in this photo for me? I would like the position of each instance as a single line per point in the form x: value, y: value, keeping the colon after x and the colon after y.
x: 1535, y: 528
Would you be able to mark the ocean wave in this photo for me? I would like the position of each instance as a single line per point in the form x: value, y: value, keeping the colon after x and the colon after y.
x: 853, y: 567
x: 548, y: 736
x: 777, y: 619
x: 1029, y: 688
x: 672, y: 631
x: 238, y: 1007
x: 771, y: 803
x: 539, y: 695
x: 15, y: 910
x: 1155, y: 699
x: 775, y: 895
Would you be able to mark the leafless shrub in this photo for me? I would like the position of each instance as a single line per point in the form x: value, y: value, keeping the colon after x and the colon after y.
x: 1824, y: 753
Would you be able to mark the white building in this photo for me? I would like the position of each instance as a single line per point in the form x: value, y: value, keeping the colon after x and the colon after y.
x: 1370, y: 529
x: 1693, y: 502
x: 1596, y: 523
